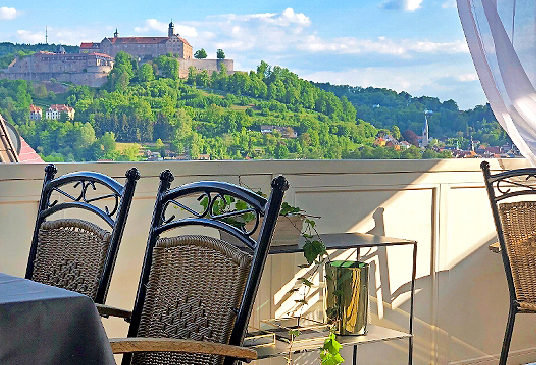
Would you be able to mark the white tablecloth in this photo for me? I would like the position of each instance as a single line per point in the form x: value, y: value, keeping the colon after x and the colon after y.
x: 40, y: 324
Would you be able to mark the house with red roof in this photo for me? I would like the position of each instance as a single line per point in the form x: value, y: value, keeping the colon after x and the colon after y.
x: 55, y: 111
x: 36, y: 113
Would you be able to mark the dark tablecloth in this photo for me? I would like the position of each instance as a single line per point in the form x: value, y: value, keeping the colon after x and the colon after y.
x: 40, y: 324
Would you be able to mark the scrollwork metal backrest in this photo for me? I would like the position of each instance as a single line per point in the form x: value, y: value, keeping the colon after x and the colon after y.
x: 84, y: 181
x: 511, y: 183
x: 90, y: 188
x: 218, y: 205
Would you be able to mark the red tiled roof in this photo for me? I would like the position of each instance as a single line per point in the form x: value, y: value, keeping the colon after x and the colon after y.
x: 89, y: 45
x: 61, y: 107
x: 101, y: 54
x: 185, y: 41
x: 27, y: 154
x: 35, y: 108
x: 140, y: 40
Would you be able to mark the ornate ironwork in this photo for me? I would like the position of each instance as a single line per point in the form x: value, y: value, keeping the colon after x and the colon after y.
x: 501, y: 188
x: 227, y: 211
x: 84, y: 185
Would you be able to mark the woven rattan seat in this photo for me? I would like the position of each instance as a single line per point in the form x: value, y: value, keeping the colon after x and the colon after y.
x: 518, y: 220
x: 194, y: 284
x: 71, y: 255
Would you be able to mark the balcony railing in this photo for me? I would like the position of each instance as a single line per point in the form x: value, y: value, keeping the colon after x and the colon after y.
x: 461, y: 292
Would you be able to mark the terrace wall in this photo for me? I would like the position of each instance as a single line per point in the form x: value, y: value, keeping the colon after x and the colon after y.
x: 462, y: 296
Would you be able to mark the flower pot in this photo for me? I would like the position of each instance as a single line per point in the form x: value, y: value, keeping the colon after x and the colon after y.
x: 287, y: 231
x: 347, y: 296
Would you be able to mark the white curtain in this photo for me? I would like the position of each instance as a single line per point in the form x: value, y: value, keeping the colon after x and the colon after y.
x: 501, y: 35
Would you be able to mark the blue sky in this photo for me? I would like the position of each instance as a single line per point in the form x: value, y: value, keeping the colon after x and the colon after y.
x: 406, y: 45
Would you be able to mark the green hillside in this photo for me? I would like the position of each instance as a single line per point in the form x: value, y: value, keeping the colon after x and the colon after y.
x: 221, y: 115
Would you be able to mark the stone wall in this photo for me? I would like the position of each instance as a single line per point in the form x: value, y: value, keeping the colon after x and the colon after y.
x: 76, y: 68
x: 206, y: 64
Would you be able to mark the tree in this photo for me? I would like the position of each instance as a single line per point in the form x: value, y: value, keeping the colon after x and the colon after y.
x: 168, y: 66
x: 107, y: 142
x: 191, y: 75
x: 220, y: 54
x: 145, y: 73
x: 411, y: 137
x: 395, y: 132
x: 200, y: 53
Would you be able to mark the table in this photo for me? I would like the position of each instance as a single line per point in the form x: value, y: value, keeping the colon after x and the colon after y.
x: 375, y: 333
x: 41, y: 324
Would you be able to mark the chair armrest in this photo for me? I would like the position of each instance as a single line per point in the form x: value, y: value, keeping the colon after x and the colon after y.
x: 142, y: 344
x: 107, y: 311
x: 495, y: 247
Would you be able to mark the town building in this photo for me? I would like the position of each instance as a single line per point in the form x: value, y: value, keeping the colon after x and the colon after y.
x: 286, y: 132
x: 56, y: 110
x: 36, y: 113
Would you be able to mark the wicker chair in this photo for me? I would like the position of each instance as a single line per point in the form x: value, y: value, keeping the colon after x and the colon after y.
x: 196, y: 292
x: 516, y: 228
x: 75, y: 254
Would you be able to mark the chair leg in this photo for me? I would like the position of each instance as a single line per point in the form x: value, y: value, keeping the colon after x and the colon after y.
x: 508, y: 334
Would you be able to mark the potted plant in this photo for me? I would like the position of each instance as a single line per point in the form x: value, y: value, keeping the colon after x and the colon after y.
x: 346, y: 309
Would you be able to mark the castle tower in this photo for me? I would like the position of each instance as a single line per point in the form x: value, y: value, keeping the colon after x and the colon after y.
x: 171, y: 29
x: 425, y: 135
x: 116, y: 34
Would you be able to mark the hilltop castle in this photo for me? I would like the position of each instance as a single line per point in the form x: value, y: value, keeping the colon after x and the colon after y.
x: 142, y: 47
x: 94, y: 61
x: 147, y: 48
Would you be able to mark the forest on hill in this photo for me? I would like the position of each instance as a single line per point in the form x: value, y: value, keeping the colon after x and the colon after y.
x: 221, y: 115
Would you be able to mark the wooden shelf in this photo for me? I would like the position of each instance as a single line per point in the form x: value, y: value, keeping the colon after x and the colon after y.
x: 374, y: 334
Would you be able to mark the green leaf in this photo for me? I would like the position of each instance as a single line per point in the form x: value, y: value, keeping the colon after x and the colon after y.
x: 293, y: 290
x: 240, y: 205
x: 310, y: 222
x: 332, y: 345
x: 294, y: 333
x: 311, y: 250
x: 306, y: 282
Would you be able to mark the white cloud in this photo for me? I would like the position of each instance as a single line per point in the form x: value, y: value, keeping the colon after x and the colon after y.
x: 289, y: 31
x: 25, y: 36
x: 161, y: 27
x: 467, y: 77
x: 7, y: 13
x: 412, y: 5
x: 449, y: 4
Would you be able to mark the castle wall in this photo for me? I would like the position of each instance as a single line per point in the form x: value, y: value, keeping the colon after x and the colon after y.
x: 76, y: 68
x: 206, y: 64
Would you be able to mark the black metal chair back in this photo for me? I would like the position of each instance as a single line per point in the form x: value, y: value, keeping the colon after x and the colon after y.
x: 515, y: 220
x: 208, y: 215
x: 71, y: 229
